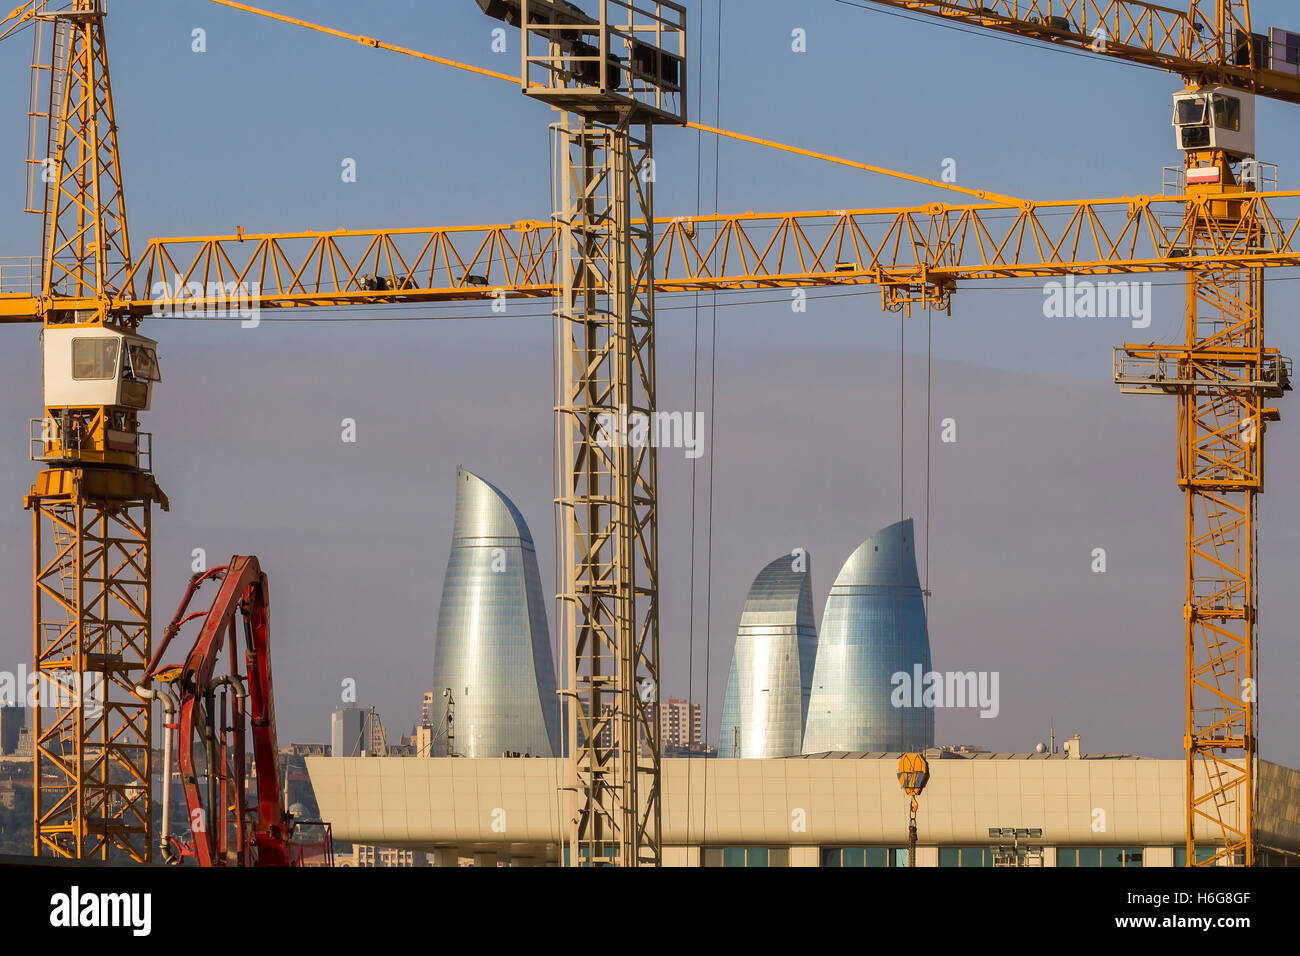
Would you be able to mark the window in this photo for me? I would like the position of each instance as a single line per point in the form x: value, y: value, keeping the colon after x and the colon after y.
x: 1227, y: 112
x: 745, y: 856
x: 965, y: 856
x: 1100, y: 856
x: 1203, y: 853
x: 1190, y: 112
x: 585, y: 854
x: 141, y: 364
x: 94, y: 359
x: 856, y: 856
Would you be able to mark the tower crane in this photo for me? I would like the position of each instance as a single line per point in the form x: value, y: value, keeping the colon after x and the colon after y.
x: 1220, y: 375
x: 602, y: 257
x: 92, y: 503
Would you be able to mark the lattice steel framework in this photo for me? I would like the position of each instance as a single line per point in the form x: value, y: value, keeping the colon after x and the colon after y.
x: 612, y: 76
x: 91, y: 521
x: 1221, y: 470
x: 608, y: 500
x: 1202, y: 43
x: 87, y: 253
x: 1222, y: 377
x: 899, y: 249
x: 91, y: 536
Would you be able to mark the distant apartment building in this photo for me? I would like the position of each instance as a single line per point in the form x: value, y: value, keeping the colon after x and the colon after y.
x: 692, y: 750
x: 345, y: 732
x: 423, y: 740
x: 606, y: 738
x: 430, y: 731
x: 681, y: 724
x: 357, y: 732
x: 309, y: 750
x: 607, y: 734
x: 13, y: 720
x: 364, y: 855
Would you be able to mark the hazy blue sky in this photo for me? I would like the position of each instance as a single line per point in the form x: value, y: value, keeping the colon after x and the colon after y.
x: 1050, y: 463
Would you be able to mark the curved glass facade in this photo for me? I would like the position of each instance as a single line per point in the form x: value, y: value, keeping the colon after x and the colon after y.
x: 492, y: 647
x: 766, y: 702
x: 873, y: 628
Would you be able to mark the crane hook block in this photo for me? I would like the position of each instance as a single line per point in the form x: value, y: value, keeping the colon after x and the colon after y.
x: 913, y: 774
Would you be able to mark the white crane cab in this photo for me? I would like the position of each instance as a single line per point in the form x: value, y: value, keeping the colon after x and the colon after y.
x: 98, y: 367
x: 1215, y: 117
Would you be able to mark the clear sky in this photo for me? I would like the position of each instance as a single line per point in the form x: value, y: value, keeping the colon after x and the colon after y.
x: 1050, y: 461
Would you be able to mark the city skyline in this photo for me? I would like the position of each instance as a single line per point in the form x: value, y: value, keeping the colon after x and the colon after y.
x: 1042, y: 474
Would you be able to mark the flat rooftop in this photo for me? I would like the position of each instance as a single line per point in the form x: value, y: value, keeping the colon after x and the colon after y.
x: 839, y: 799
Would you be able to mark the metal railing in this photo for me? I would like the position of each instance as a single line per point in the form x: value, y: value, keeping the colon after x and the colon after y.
x: 1156, y: 374
x: 632, y: 53
x: 1263, y: 175
x: 20, y: 275
x: 48, y: 441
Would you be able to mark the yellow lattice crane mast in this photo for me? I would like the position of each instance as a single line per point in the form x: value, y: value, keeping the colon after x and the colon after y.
x: 1222, y: 375
x: 91, y: 504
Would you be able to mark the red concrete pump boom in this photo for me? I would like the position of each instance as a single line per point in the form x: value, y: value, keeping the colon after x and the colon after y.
x: 219, y: 714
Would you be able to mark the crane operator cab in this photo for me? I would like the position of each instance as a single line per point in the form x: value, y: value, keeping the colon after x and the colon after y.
x: 1215, y: 118
x: 97, y: 379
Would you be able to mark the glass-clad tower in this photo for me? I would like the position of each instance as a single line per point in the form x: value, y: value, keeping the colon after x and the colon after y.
x: 766, y: 703
x: 492, y: 647
x: 873, y: 628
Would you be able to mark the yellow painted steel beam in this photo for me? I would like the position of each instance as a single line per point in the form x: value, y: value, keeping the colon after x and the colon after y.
x: 1190, y: 44
x: 891, y: 247
x: 91, y: 739
x: 20, y: 15
x: 983, y: 194
x: 19, y: 308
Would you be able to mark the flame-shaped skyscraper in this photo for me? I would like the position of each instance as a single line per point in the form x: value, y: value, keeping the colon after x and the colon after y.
x: 493, y: 647
x: 873, y: 628
x: 766, y: 702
